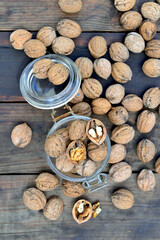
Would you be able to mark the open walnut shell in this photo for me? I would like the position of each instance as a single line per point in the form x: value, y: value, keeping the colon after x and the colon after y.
x: 96, y: 131
x: 76, y: 152
x: 82, y: 211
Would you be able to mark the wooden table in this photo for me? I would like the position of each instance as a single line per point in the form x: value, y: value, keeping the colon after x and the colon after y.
x: 19, y: 167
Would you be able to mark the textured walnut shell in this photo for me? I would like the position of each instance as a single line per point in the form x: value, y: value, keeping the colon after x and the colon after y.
x: 77, y: 130
x: 123, y: 134
x: 63, y: 45
x: 86, y: 168
x: 58, y: 73
x: 134, y: 42
x: 118, y: 153
x: 97, y: 46
x: 153, y: 48
x: 19, y: 37
x: 84, y: 216
x: 46, y: 182
x: 121, y: 171
x: 157, y: 166
x: 102, y: 67
x: 97, y: 152
x: 124, y: 5
x: 46, y: 35
x: 68, y: 28
x: 100, y: 106
x: 53, y: 208
x: 76, y: 152
x: 93, y: 124
x: 92, y: 88
x: 78, y: 97
x: 34, y: 199
x: 118, y: 115
x: 41, y: 67
x: 63, y: 164
x: 146, y: 121
x: 122, y: 199
x: 132, y: 103
x: 131, y: 20
x: 158, y: 1
x: 146, y: 150
x: 55, y: 145
x: 115, y: 93
x: 151, y: 11
x: 121, y: 72
x: 146, y: 180
x: 118, y: 52
x: 64, y: 133
x: 21, y: 135
x: 72, y: 189
x: 151, y: 67
x: 34, y: 48
x: 85, y: 67
x: 82, y: 108
x: 148, y: 30
x: 70, y: 6
x: 151, y: 97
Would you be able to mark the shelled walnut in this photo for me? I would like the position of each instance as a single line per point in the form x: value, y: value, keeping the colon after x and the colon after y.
x: 115, y: 93
x: 34, y: 199
x: 118, y: 115
x: 151, y: 11
x: 72, y: 189
x: 153, y: 48
x: 123, y: 134
x: 63, y: 45
x: 132, y: 103
x: 76, y: 152
x: 146, y: 180
x: 146, y: 150
x: 124, y: 5
x: 97, y: 152
x: 53, y: 208
x: 68, y: 28
x: 55, y: 145
x: 82, y: 108
x: 131, y: 20
x: 46, y: 182
x: 134, y: 42
x: 19, y: 37
x: 102, y: 67
x: 82, y: 211
x: 85, y: 67
x: 41, y: 67
x: 46, y: 35
x: 121, y: 72
x: 63, y: 164
x: 96, y: 131
x: 146, y: 121
x: 151, y: 67
x: 58, y: 73
x: 77, y: 130
x: 151, y: 98
x: 100, y: 106
x: 97, y: 46
x: 120, y: 171
x: 148, y: 30
x: 122, y: 199
x: 34, y: 48
x: 118, y: 153
x: 70, y: 6
x: 92, y: 88
x: 118, y: 52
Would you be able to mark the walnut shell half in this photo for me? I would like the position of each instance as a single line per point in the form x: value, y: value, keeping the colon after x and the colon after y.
x: 72, y: 189
x: 123, y: 134
x: 34, y: 199
x: 53, y: 208
x: 121, y: 171
x: 146, y: 180
x: 46, y: 181
x: 19, y: 37
x: 122, y: 199
x: 82, y: 211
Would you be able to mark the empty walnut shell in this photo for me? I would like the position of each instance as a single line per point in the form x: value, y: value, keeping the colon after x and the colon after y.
x: 121, y: 72
x: 82, y: 211
x: 77, y: 130
x: 97, y: 46
x: 78, y: 97
x: 118, y: 52
x: 97, y: 152
x: 64, y: 133
x: 34, y: 199
x: 100, y: 106
x: 21, y: 135
x: 86, y: 168
x: 146, y: 150
x: 70, y: 6
x: 63, y: 45
x: 34, y: 48
x: 55, y: 145
x: 151, y: 67
x: 122, y: 199
x: 132, y: 103
x: 92, y: 88
x: 148, y: 30
x: 63, y: 164
x: 41, y: 67
x: 102, y: 67
x: 134, y: 42
x: 131, y: 20
x: 53, y: 208
x: 121, y: 171
x: 46, y: 35
x: 151, y: 11
x: 115, y: 93
x: 124, y: 5
x: 85, y: 67
x: 46, y: 182
x: 123, y: 134
x: 58, y: 74
x: 118, y: 115
x: 151, y: 97
x: 76, y: 152
x: 72, y: 189
x: 146, y: 180
x: 68, y: 28
x: 157, y: 166
x: 19, y: 37
x: 146, y: 121
x: 153, y: 48
x: 82, y: 108
x: 118, y: 153
x: 96, y: 131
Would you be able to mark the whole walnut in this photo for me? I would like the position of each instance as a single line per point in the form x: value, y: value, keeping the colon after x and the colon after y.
x: 146, y: 121
x: 55, y: 145
x: 78, y: 97
x: 46, y: 35
x: 82, y: 108
x: 46, y: 182
x: 115, y: 93
x: 68, y: 28
x: 96, y: 131
x: 53, y: 208
x: 151, y: 67
x: 151, y: 97
x: 158, y: 1
x: 58, y: 73
x: 102, y: 67
x: 97, y: 46
x: 146, y: 180
x: 134, y: 42
x: 121, y: 72
x: 151, y: 11
x: 63, y: 45
x: 124, y: 5
x: 41, y: 67
x: 82, y: 211
x: 97, y: 152
x: 146, y: 150
x: 63, y: 164
x: 92, y: 88
x: 86, y: 168
x: 157, y: 166
x: 77, y: 130
x: 131, y: 20
x: 72, y: 189
x: 123, y: 134
x: 70, y: 6
x: 34, y: 199
x: 19, y: 37
x: 100, y: 106
x: 132, y: 103
x: 21, y: 135
x: 120, y: 171
x: 64, y: 133
x: 118, y: 153
x: 122, y: 199
x: 148, y: 30
x: 153, y: 48
x: 34, y: 48
x: 76, y: 152
x: 118, y: 115
x: 85, y: 67
x: 118, y: 52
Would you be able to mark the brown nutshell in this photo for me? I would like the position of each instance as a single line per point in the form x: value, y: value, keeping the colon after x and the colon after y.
x: 19, y: 37
x: 120, y: 172
x: 58, y: 73
x: 118, y: 153
x: 122, y: 199
x: 151, y: 67
x: 86, y: 168
x: 41, y: 67
x: 77, y: 130
x: 85, y: 67
x: 55, y: 145
x: 151, y: 97
x: 153, y: 48
x: 115, y: 93
x: 118, y: 115
x: 63, y: 45
x: 92, y: 88
x: 124, y: 5
x: 146, y: 150
x: 53, y: 208
x: 157, y: 166
x: 46, y: 182
x: 97, y: 46
x: 102, y: 67
x: 123, y: 134
x: 146, y: 121
x: 134, y: 42
x: 118, y: 52
x: 132, y: 103
x: 100, y: 106
x: 72, y: 189
x: 34, y: 48
x: 121, y: 72
x: 68, y: 28
x: 82, y: 211
x: 46, y: 35
x: 151, y: 11
x: 64, y: 133
x: 70, y: 6
x: 148, y: 30
x: 97, y: 152
x: 63, y: 164
x: 131, y: 20
x: 82, y: 108
x: 78, y: 97
x: 146, y: 180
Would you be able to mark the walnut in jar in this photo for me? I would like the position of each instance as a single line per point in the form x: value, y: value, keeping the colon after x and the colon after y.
x: 120, y: 172
x: 118, y: 52
x: 70, y: 6
x: 34, y: 199
x: 97, y: 152
x: 146, y: 180
x: 102, y: 67
x: 41, y: 68
x: 82, y: 108
x: 153, y: 48
x: 76, y: 152
x: 46, y: 35
x: 118, y: 153
x: 131, y: 20
x: 100, y: 106
x: 150, y: 10
x: 151, y: 98
x: 115, y: 93
x: 55, y: 145
x: 134, y: 42
x: 86, y: 168
x: 146, y: 150
x: 151, y: 67
x: 92, y: 88
x: 124, y: 5
x: 63, y: 164
x: 72, y: 189
x: 118, y: 115
x: 121, y: 72
x: 122, y: 199
x: 82, y: 211
x: 58, y: 73
x: 53, y: 208
x: 97, y: 46
x: 78, y: 97
x: 85, y: 67
x: 68, y: 28
x: 132, y: 103
x: 64, y: 133
x: 96, y: 131
x: 19, y: 37
x: 63, y: 45
x: 77, y: 130
x: 148, y: 30
x: 146, y: 121
x: 123, y: 134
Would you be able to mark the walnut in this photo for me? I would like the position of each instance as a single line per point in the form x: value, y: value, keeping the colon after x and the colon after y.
x: 118, y: 115
x: 78, y: 97
x: 151, y: 97
x: 96, y: 209
x: 70, y: 6
x: 97, y: 46
x: 58, y: 73
x: 77, y: 130
x: 123, y: 134
x: 55, y: 145
x: 63, y: 164
x: 92, y: 88
x: 121, y: 72
x: 85, y: 67
x: 124, y: 5
x: 86, y: 168
x: 134, y: 42
x: 19, y: 37
x: 34, y: 199
x: 151, y: 67
x: 46, y: 35
x: 34, y: 48
x: 53, y: 208
x: 158, y: 1
x: 122, y: 199
x: 146, y: 150
x: 76, y: 152
x: 100, y: 106
x: 68, y: 28
x: 131, y: 20
x: 72, y: 189
x: 46, y: 182
x: 97, y: 152
x: 157, y: 166
x: 118, y: 52
x: 115, y: 93
x: 118, y: 153
x: 64, y: 133
x: 146, y: 121
x: 41, y: 67
x: 146, y: 180
x: 132, y: 103
x: 148, y: 30
x: 151, y: 11
x: 82, y: 211
x: 96, y: 131
x: 102, y: 67
x: 153, y: 48
x: 82, y: 108
x: 63, y: 45
x: 120, y: 172
x: 21, y: 135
